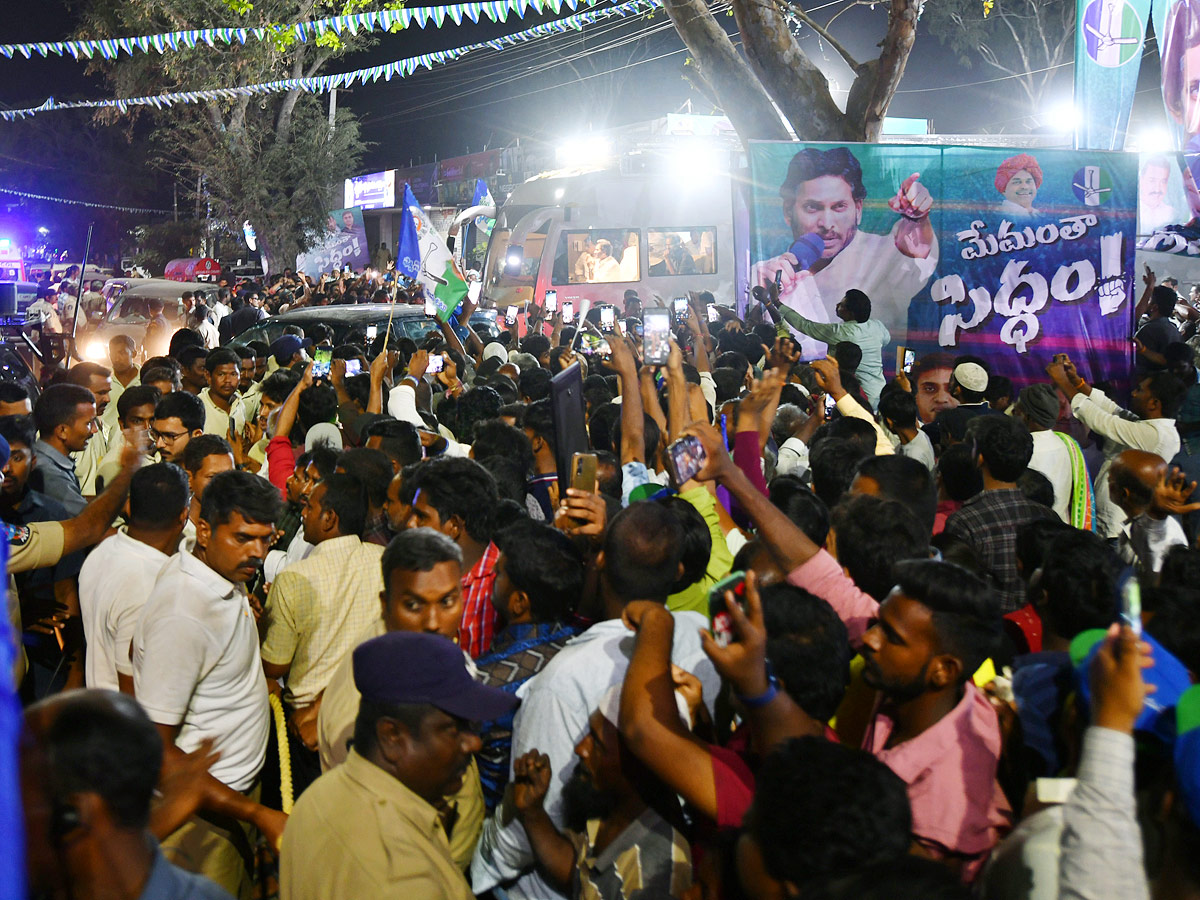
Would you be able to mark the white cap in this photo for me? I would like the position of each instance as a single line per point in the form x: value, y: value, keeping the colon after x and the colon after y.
x: 972, y: 376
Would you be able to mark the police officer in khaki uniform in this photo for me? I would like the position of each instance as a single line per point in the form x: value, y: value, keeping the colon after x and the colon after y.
x: 42, y: 544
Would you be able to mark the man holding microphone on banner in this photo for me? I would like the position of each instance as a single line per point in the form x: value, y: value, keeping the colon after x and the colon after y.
x: 823, y: 196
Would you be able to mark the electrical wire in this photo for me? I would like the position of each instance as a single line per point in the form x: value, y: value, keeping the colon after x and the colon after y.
x: 457, y: 93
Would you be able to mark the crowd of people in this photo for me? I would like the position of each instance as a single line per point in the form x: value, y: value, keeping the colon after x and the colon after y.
x: 358, y: 636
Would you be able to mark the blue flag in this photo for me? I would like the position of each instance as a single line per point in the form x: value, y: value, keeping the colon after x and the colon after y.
x: 483, y: 197
x: 408, y: 250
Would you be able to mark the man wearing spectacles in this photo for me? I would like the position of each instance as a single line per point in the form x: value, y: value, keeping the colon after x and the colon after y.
x: 178, y: 418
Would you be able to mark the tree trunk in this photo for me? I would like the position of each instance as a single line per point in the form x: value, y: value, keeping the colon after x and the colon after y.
x: 739, y: 93
x: 283, y: 124
x: 799, y: 88
x: 882, y: 76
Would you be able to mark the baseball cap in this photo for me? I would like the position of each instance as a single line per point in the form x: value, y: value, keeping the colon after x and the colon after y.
x: 286, y: 346
x: 409, y: 667
x: 972, y: 376
x: 495, y: 349
x: 1167, y: 674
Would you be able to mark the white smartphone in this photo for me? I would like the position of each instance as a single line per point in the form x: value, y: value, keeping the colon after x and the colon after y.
x: 510, y: 315
x: 607, y: 318
x: 568, y: 312
x: 713, y: 315
x: 372, y: 331
x: 551, y: 301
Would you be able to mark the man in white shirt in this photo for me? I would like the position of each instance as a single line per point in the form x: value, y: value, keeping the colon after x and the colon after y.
x: 198, y: 674
x: 606, y: 268
x: 1053, y: 453
x: 205, y: 457
x: 116, y: 579
x: 1153, y: 402
x: 640, y: 560
x: 823, y: 195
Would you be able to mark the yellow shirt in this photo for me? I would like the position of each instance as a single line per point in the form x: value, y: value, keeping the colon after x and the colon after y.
x: 357, y: 832
x: 216, y: 420
x: 335, y: 728
x: 317, y: 610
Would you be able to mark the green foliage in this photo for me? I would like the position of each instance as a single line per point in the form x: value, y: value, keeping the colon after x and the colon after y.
x: 161, y: 243
x: 1027, y: 42
x: 271, y: 159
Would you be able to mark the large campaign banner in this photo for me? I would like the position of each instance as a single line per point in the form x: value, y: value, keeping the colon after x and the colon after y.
x: 342, y: 243
x: 1007, y: 255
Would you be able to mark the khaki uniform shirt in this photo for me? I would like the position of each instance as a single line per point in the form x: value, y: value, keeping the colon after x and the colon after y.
x: 335, y: 728
x: 32, y: 546
x: 357, y: 832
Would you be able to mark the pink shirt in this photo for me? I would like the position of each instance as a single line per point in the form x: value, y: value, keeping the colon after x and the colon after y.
x: 950, y: 770
x: 823, y: 577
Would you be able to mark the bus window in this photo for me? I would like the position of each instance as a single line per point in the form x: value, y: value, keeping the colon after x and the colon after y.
x: 600, y: 256
x: 683, y: 251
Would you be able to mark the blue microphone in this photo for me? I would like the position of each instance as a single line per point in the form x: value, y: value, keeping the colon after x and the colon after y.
x: 808, y: 249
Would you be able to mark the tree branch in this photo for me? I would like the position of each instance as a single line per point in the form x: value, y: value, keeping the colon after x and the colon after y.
x: 800, y: 89
x: 741, y: 95
x: 885, y: 73
x: 824, y: 34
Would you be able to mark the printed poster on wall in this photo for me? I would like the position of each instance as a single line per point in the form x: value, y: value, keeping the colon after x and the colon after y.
x: 342, y: 243
x: 1008, y: 255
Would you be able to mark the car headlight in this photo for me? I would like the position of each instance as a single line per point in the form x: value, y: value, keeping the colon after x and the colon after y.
x: 96, y: 351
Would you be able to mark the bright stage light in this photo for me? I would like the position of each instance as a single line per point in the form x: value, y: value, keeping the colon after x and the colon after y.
x: 586, y: 151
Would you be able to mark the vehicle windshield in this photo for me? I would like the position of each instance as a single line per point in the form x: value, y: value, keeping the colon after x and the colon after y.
x: 135, y: 310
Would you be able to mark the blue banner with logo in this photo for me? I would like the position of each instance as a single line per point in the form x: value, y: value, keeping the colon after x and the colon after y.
x: 342, y: 243
x: 962, y: 250
x: 1109, y: 35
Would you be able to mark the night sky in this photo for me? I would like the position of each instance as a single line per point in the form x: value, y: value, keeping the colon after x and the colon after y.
x: 554, y: 87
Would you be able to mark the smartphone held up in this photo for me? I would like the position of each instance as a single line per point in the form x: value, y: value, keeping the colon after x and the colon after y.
x: 718, y: 609
x: 656, y: 336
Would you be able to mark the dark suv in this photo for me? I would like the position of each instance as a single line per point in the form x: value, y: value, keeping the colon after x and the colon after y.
x: 350, y: 323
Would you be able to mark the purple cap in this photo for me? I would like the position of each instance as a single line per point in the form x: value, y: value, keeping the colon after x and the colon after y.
x: 410, y: 667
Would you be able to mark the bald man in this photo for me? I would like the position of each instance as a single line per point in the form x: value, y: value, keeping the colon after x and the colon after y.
x: 1148, y: 532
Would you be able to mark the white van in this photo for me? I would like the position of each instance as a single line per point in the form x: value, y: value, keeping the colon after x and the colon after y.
x: 662, y: 230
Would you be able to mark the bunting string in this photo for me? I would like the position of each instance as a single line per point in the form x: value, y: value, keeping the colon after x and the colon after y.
x: 401, y: 68
x: 128, y: 209
x: 380, y: 20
